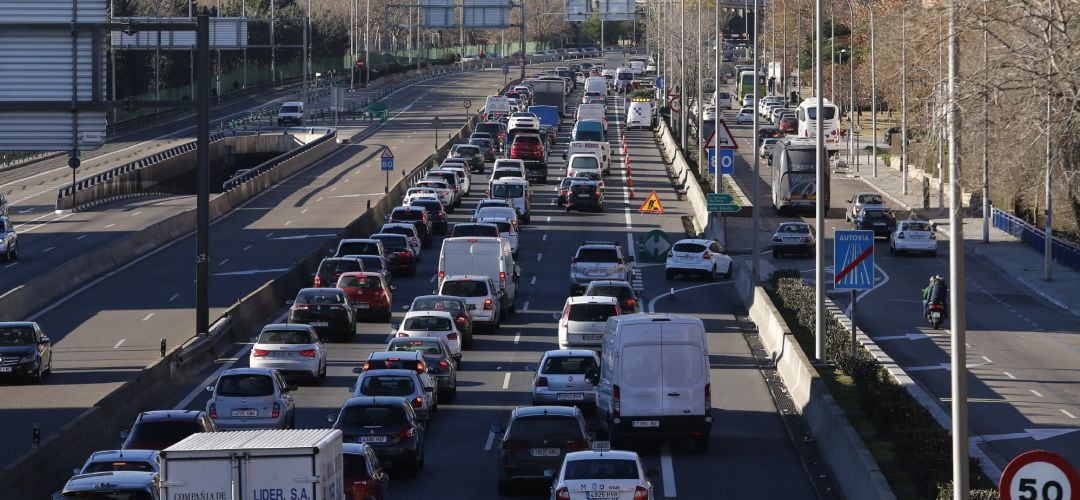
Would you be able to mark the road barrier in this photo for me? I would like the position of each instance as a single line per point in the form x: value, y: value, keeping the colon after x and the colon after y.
x: 1063, y: 252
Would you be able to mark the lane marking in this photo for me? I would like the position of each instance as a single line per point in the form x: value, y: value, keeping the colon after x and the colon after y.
x: 532, y: 281
x: 269, y: 235
x: 288, y: 222
x: 110, y: 225
x: 525, y: 307
x: 544, y: 237
x: 222, y: 263
x: 490, y: 441
x: 1037, y: 393
x: 246, y: 248
x: 119, y: 343
x: 667, y: 469
x: 80, y: 237
x: 1067, y: 414
x: 13, y: 264
x: 304, y: 211
x: 148, y: 316
x: 174, y: 297
x: 506, y: 381
x: 320, y: 199
x: 988, y: 360
x: 47, y: 250
x: 433, y: 276
x: 540, y: 256
x: 652, y: 303
x: 548, y: 219
x: 1007, y: 374
x: 517, y: 338
x: 136, y: 213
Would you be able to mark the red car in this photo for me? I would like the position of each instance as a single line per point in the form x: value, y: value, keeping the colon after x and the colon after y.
x: 368, y: 293
x: 788, y: 125
x: 364, y: 478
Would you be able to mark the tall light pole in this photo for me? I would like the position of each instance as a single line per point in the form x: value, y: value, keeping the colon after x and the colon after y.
x: 367, y: 46
x: 956, y: 275
x: 683, y: 98
x: 1048, y: 236
x: 755, y: 191
x: 273, y: 50
x: 986, y: 128
x: 702, y: 168
x: 785, y: 73
x: 717, y: 177
x: 832, y: 48
x: 873, y: 90
x: 820, y: 166
x: 854, y: 141
x: 903, y: 101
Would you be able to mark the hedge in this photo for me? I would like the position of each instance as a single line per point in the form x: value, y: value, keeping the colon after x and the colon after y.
x: 922, y: 448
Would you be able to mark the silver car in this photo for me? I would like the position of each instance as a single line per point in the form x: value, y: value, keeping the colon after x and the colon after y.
x: 398, y: 383
x: 560, y: 377
x: 251, y: 398
x: 292, y: 349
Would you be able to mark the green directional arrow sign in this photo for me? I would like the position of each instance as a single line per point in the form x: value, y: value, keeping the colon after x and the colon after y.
x: 719, y: 198
x: 723, y: 207
x: 654, y: 245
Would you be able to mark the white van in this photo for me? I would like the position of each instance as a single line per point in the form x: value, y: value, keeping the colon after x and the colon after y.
x: 592, y: 113
x: 596, y: 85
x: 601, y: 150
x: 484, y: 256
x: 515, y: 189
x: 624, y: 79
x: 291, y: 113
x: 654, y: 379
x: 640, y: 114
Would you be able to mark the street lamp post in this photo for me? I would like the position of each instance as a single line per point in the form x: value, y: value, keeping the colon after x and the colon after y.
x: 873, y: 92
x: 821, y: 165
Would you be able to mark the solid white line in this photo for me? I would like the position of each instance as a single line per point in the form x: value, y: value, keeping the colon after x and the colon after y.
x: 1067, y: 414
x: 667, y: 469
x: 119, y: 343
x: 517, y: 338
x: 1007, y: 374
x: 148, y: 316
x: 506, y: 381
x: 490, y: 441
x: 987, y: 359
x: 1033, y: 391
x: 540, y: 256
x: 532, y: 281
x: 525, y: 306
x: 174, y: 297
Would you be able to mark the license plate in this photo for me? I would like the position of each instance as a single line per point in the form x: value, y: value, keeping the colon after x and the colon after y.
x: 544, y: 452
x: 596, y: 272
x: 320, y: 323
x: 686, y: 258
x: 245, y: 413
x: 879, y: 223
x: 584, y: 196
x: 5, y: 369
x: 363, y: 306
x: 601, y: 494
x: 372, y: 439
x: 570, y: 396
x: 593, y: 336
x: 646, y: 423
x: 280, y: 354
x: 935, y: 315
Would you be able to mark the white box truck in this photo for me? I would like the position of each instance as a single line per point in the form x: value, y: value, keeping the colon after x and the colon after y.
x: 254, y: 465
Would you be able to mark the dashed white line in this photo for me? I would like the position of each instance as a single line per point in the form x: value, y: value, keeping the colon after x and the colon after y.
x: 304, y: 211
x: 1037, y: 393
x: 544, y: 237
x: 490, y: 441
x: 174, y: 297
x: 525, y: 306
x: 47, y: 250
x: 532, y: 281
x: 540, y: 256
x: 271, y: 234
x: 222, y: 263
x: 148, y: 316
x: 667, y: 468
x: 548, y: 219
x: 320, y: 199
x: 433, y: 276
x: 13, y: 264
x: 288, y: 222
x: 119, y: 343
x: 80, y: 237
x: 136, y: 213
x: 506, y: 381
x: 1067, y: 414
x: 333, y: 189
x: 246, y: 248
x: 1007, y: 374
x: 110, y: 225
x: 988, y: 360
x: 517, y: 338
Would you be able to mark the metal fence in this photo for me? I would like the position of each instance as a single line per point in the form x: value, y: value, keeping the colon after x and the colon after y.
x: 1064, y: 252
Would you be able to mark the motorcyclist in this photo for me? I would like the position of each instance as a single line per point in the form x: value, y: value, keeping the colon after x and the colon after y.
x: 936, y: 292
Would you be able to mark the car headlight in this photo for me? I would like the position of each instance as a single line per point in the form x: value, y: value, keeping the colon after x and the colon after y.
x: 29, y: 358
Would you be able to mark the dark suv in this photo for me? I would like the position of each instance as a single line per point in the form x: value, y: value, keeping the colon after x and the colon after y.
x: 389, y: 425
x: 157, y: 430
x: 536, y: 440
x: 325, y: 309
x: 331, y: 268
x: 497, y: 131
x: 471, y: 154
x: 416, y: 216
x: 399, y: 253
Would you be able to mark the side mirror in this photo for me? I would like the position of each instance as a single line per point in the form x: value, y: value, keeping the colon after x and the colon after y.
x: 289, y: 302
x: 209, y: 388
x: 395, y: 326
x: 393, y: 287
x: 406, y: 307
x: 331, y: 418
x: 76, y: 471
x: 288, y: 388
x: 358, y: 369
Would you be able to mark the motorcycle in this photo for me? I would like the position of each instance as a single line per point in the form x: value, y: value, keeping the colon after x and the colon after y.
x: 935, y: 314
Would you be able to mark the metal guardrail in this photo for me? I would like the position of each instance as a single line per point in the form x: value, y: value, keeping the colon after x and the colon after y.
x: 1064, y: 252
x: 328, y: 135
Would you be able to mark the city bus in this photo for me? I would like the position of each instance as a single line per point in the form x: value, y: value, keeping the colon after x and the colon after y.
x: 794, y: 177
x: 806, y: 113
x: 745, y: 84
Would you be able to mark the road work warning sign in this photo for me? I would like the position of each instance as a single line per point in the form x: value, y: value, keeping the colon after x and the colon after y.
x: 652, y: 205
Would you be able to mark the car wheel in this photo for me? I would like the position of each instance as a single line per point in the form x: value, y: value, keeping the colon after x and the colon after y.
x: 892, y: 249
x: 14, y: 255
x: 776, y: 253
x: 39, y: 375
x: 322, y: 372
x: 933, y: 254
x: 48, y: 368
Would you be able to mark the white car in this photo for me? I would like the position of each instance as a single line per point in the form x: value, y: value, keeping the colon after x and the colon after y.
x: 698, y: 256
x: 506, y: 230
x: 562, y: 377
x: 481, y: 297
x: 723, y: 100
x: 497, y: 212
x: 579, y: 162
x: 420, y: 192
x: 445, y: 192
x: 583, y: 319
x: 510, y: 163
x: 602, y: 473
x: 746, y: 115
x: 463, y: 175
x: 292, y: 349
x: 913, y: 236
x: 766, y: 145
x: 432, y: 324
x: 748, y: 101
x: 9, y: 240
x: 710, y: 114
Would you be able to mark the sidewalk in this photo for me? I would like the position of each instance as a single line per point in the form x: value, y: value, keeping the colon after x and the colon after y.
x: 1003, y: 252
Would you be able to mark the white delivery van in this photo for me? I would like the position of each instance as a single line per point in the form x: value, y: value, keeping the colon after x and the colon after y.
x: 640, y: 113
x: 291, y: 113
x: 596, y: 85
x: 592, y: 113
x: 602, y: 150
x: 484, y: 256
x: 515, y: 189
x: 624, y: 79
x: 254, y: 465
x: 638, y: 67
x: 496, y: 107
x: 654, y: 379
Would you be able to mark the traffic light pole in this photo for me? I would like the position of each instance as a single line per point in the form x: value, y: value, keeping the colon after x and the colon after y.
x: 202, y: 179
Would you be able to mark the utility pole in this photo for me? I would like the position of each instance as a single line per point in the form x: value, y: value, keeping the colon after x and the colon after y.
x: 702, y: 168
x: 832, y: 49
x: 903, y: 101
x: 273, y: 51
x: 873, y: 91
x: 852, y: 112
x: 1048, y: 236
x: 786, y: 73
x: 367, y: 46
x: 718, y: 183
x: 684, y: 108
x: 958, y: 322
x: 986, y: 128
x: 820, y: 166
x: 755, y: 190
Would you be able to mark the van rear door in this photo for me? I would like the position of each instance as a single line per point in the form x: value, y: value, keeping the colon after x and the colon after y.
x: 640, y: 375
x: 682, y: 361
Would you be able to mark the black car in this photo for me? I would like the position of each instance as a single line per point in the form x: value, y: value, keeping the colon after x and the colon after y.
x: 487, y: 146
x: 416, y: 216
x: 358, y: 246
x: 25, y: 351
x: 496, y: 130
x: 585, y: 195
x: 472, y: 154
x: 331, y: 268
x: 399, y: 253
x: 389, y: 425
x: 436, y: 213
x: 768, y: 133
x: 325, y: 309
x: 535, y: 442
x: 879, y: 220
x: 157, y: 430
x: 438, y: 357
x: 456, y: 306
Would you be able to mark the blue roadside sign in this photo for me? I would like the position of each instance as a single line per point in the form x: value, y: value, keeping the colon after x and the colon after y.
x: 387, y: 160
x: 727, y: 161
x: 712, y: 160
x: 853, y: 260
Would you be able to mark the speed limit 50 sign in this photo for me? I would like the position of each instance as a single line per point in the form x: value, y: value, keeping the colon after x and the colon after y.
x: 1039, y: 475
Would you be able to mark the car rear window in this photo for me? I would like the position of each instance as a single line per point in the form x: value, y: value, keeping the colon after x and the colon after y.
x: 245, y: 386
x: 591, y: 312
x: 284, y: 337
x: 588, y: 162
x: 404, y: 231
x: 475, y: 230
x: 450, y: 177
x: 597, y: 254
x: 411, y: 345
x: 916, y: 226
x: 392, y: 241
x: 481, y: 141
x: 467, y: 150
x: 372, y: 262
x: 387, y: 385
x: 527, y: 139
x: 553, y: 428
x: 427, y: 323
x: 373, y: 416
x: 117, y: 465
x: 619, y: 292
x: 504, y: 227
x: 169, y: 431
x: 409, y: 215
x: 568, y: 365
x: 491, y: 128
x: 464, y: 288
x: 689, y: 247
x: 601, y: 469
x: 366, y: 282
x: 391, y: 364
x: 432, y: 206
x: 338, y: 266
x: 499, y: 174
x: 794, y: 228
x: 358, y: 248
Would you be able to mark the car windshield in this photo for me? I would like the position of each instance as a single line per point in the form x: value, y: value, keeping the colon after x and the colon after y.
x: 689, y: 247
x: 795, y: 228
x: 427, y: 324
x: 619, y: 292
x: 407, y: 215
x: 508, y: 191
x: 464, y: 288
x: 119, y: 493
x: 555, y: 429
x: 338, y: 266
x: 430, y: 347
x: 241, y: 386
x: 475, y: 230
x: 16, y: 335
x: 358, y: 248
x: 917, y: 226
x: 117, y: 465
x: 320, y: 297
x: 367, y: 282
x: 591, y: 312
x: 568, y: 365
x: 168, y: 431
x: 597, y: 255
x: 373, y: 416
x: 594, y: 469
x: 285, y: 337
x: 387, y: 385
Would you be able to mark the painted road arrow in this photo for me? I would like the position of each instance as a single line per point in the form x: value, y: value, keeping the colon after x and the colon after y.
x: 1036, y: 434
x: 251, y: 271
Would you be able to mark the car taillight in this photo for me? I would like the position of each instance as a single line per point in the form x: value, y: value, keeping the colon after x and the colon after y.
x: 419, y: 367
x: 616, y: 405
x: 512, y: 445
x: 417, y: 402
x: 308, y: 353
x: 706, y: 255
x: 442, y: 274
x: 899, y: 236
x: 444, y: 365
x: 562, y: 494
x: 630, y: 303
x: 452, y: 336
x: 440, y: 216
x: 541, y: 382
x: 405, y: 253
x: 487, y: 304
x: 318, y: 281
x: 298, y: 306
x: 708, y: 396
x: 640, y: 493
x: 402, y: 334
x: 460, y: 320
x: 409, y: 431
x: 258, y: 353
x: 577, y: 445
x: 213, y: 411
x: 367, y: 365
x: 502, y: 279
x: 276, y: 412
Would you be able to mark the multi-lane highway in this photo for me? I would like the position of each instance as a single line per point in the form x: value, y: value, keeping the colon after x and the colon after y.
x: 1022, y: 351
